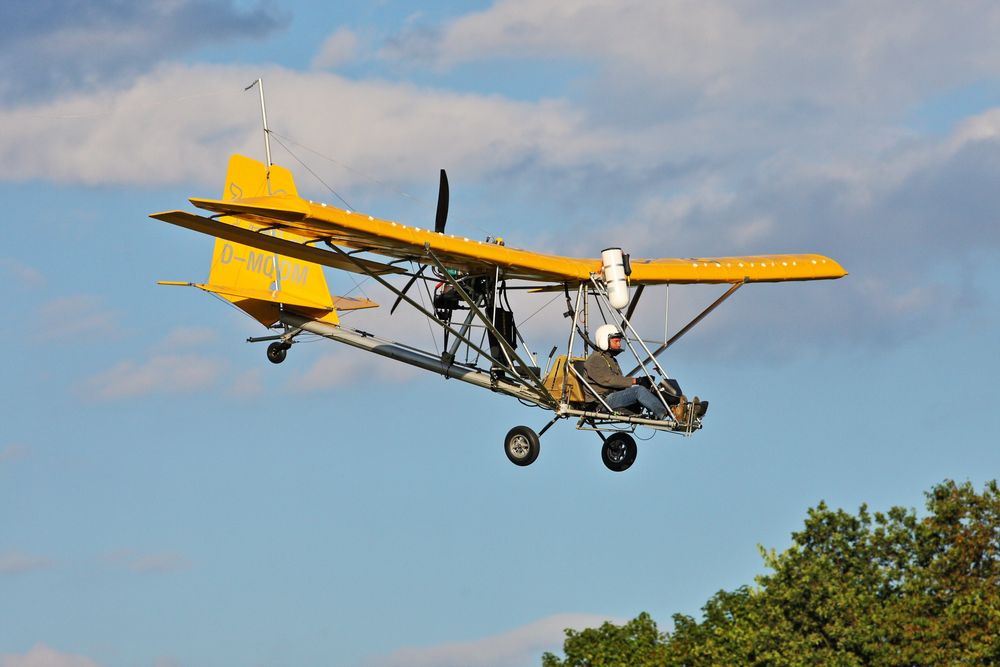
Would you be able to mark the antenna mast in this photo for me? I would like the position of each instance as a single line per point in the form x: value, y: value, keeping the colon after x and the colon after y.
x: 267, y: 133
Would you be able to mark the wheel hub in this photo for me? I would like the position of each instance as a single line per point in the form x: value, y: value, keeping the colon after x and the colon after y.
x: 519, y: 446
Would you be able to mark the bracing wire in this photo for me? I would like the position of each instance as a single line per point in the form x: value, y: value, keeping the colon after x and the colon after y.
x: 277, y: 138
x: 430, y: 329
x: 546, y: 305
x: 362, y: 174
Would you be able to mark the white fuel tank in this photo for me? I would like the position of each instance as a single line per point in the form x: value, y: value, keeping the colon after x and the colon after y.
x: 615, y: 276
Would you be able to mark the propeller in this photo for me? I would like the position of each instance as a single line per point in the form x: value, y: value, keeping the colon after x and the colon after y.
x: 442, y: 208
x: 440, y: 219
x: 409, y: 284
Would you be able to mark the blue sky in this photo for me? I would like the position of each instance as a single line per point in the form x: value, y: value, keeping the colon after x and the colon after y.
x: 169, y: 498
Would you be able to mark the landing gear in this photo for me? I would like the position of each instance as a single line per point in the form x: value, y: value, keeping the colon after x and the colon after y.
x: 277, y: 351
x: 522, y: 446
x: 619, y: 452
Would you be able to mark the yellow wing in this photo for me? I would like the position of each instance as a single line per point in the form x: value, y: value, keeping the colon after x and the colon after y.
x: 313, y: 221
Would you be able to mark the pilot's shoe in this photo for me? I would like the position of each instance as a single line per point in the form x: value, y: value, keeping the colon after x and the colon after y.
x: 700, y: 407
x: 680, y: 411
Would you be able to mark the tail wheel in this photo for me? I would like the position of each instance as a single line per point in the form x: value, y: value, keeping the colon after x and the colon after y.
x: 619, y: 452
x: 522, y: 446
x: 276, y: 352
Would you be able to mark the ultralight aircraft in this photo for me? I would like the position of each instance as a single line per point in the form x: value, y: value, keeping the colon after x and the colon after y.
x: 271, y: 244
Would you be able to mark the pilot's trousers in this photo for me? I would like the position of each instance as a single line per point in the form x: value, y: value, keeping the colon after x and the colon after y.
x: 636, y: 394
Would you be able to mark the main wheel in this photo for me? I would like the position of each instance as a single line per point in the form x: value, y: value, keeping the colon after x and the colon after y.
x: 276, y: 352
x: 619, y: 452
x: 522, y: 446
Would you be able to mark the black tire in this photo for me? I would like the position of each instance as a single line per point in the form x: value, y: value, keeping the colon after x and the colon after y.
x: 521, y: 446
x: 619, y: 452
x: 276, y: 352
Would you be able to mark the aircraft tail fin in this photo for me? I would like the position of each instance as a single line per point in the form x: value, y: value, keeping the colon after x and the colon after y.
x: 261, y: 283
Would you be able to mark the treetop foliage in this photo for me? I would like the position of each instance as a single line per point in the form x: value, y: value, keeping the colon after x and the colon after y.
x: 880, y: 589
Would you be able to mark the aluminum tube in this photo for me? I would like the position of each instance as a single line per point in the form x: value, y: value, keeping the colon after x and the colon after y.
x: 407, y: 356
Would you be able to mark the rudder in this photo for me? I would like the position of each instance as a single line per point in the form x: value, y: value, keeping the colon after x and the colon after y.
x: 257, y: 281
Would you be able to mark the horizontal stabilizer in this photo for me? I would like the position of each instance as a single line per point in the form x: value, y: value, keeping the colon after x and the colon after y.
x: 339, y: 302
x: 259, y: 295
x: 350, y: 303
x: 261, y: 241
x: 286, y: 208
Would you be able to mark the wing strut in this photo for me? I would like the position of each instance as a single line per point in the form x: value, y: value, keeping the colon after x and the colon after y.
x: 690, y: 325
x: 635, y: 302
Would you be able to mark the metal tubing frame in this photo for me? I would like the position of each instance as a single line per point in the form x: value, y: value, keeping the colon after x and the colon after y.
x: 413, y: 303
x: 418, y: 358
x: 542, y: 398
x: 601, y: 293
x: 598, y: 417
x: 698, y: 318
x: 466, y: 325
x: 508, y: 350
x: 569, y: 345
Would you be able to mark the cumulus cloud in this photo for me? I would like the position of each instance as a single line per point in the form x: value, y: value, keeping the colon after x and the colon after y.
x: 758, y: 130
x: 17, y: 562
x: 73, y: 317
x: 850, y: 52
x: 337, y: 49
x: 44, y: 656
x: 54, y: 47
x: 514, y: 648
x: 160, y: 374
x: 346, y: 367
x: 187, y: 136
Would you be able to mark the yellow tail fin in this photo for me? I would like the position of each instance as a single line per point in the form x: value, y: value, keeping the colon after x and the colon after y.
x: 257, y: 281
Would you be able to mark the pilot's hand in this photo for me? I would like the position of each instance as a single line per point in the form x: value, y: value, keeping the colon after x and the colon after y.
x: 644, y: 381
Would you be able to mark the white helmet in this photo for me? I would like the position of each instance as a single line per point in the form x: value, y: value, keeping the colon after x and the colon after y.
x: 605, y: 333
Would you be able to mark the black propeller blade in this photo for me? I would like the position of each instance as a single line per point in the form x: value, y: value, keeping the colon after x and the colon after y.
x: 409, y: 284
x: 440, y: 218
x: 442, y: 210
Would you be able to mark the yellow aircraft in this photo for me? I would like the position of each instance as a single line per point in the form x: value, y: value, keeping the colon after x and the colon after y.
x: 267, y: 261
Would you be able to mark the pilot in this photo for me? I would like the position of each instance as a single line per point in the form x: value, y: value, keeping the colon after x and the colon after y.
x: 621, y: 391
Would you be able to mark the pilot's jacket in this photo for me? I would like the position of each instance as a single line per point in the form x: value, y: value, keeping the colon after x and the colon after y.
x: 604, y: 373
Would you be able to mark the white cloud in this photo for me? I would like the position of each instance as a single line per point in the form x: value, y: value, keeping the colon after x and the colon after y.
x: 44, y: 656
x: 17, y: 562
x: 851, y: 53
x: 762, y: 131
x: 338, y: 49
x: 517, y: 647
x: 346, y: 367
x: 74, y: 317
x: 397, y: 131
x: 162, y: 374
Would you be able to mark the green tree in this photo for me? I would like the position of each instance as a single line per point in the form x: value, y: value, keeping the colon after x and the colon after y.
x: 880, y: 589
x: 636, y: 644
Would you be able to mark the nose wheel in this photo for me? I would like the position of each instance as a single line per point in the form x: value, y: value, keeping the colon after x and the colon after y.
x: 521, y: 446
x: 619, y: 452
